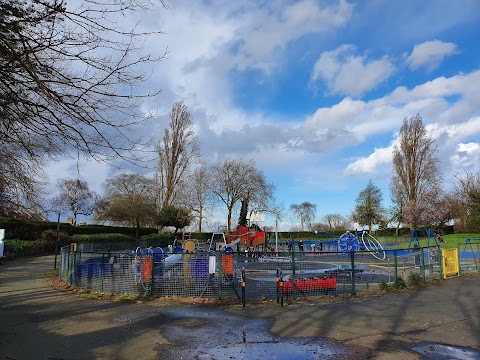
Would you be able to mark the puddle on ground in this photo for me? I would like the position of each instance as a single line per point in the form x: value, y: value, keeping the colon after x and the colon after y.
x: 441, y: 352
x: 284, y: 350
x: 225, y: 336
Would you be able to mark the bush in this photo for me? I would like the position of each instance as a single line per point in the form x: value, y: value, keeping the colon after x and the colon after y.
x: 17, y: 247
x: 161, y: 240
x: 401, y: 283
x: 32, y: 229
x: 100, y: 238
x: 384, y: 286
x: 24, y: 248
x: 415, y: 279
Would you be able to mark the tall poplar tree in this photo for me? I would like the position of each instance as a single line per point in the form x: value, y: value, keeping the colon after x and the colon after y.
x: 415, y: 185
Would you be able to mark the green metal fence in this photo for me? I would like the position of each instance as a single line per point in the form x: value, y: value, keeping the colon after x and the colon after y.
x: 469, y: 255
x: 265, y: 274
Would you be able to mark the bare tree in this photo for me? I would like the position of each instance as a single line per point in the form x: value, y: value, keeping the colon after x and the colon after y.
x: 196, y: 196
x: 177, y: 152
x: 464, y: 202
x: 129, y: 199
x: 416, y: 181
x: 235, y: 179
x: 368, y: 208
x: 70, y: 77
x: 306, y: 212
x: 21, y: 178
x: 76, y: 197
x: 334, y: 222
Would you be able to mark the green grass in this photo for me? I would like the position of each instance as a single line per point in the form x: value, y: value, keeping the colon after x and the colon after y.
x: 450, y: 241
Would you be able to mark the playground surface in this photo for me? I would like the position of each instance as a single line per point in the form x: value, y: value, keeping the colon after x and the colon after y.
x: 440, y: 321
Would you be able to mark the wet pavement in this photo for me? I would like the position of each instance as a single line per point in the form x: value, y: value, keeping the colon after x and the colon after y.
x: 440, y: 321
x: 218, y: 335
x: 444, y: 352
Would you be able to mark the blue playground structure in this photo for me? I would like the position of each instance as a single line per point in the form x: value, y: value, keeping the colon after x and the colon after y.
x: 429, y: 233
x: 327, y: 245
x: 470, y: 254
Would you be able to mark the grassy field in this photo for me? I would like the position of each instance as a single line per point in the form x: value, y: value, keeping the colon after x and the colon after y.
x: 449, y: 241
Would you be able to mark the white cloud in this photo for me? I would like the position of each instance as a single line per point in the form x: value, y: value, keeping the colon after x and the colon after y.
x: 466, y: 157
x: 369, y: 164
x: 448, y: 139
x: 269, y: 30
x: 346, y: 73
x: 430, y: 54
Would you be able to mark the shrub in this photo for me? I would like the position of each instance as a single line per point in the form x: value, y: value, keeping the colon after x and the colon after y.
x: 415, y: 279
x: 127, y: 298
x: 32, y: 229
x: 100, y: 238
x: 17, y: 247
x: 51, y: 236
x: 161, y: 240
x: 384, y: 285
x: 401, y: 283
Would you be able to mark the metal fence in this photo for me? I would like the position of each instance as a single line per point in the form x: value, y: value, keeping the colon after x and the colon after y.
x: 469, y: 255
x: 266, y: 275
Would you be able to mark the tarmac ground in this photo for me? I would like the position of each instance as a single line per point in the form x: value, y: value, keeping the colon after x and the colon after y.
x: 37, y: 321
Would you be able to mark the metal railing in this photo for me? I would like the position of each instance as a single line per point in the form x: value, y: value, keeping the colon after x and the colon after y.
x: 218, y: 275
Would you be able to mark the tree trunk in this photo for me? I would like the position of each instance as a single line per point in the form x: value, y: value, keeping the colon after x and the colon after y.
x: 200, y: 218
x: 137, y: 229
x: 242, y: 221
x: 229, y: 218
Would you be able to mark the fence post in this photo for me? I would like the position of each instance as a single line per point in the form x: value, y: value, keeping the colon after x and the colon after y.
x: 152, y: 282
x: 294, y: 279
x: 423, y: 264
x: 278, y: 285
x: 440, y: 261
x: 220, y: 274
x: 102, y: 271
x: 243, y: 286
x: 395, y: 267
x: 352, y: 261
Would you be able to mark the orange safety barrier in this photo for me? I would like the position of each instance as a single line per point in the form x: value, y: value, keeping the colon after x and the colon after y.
x: 147, y: 264
x: 312, y: 284
x: 227, y: 264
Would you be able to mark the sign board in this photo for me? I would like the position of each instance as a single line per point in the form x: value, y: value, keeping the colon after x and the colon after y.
x: 255, y: 216
x: 212, y: 262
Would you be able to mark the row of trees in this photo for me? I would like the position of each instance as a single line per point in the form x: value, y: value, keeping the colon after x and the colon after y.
x: 181, y: 190
x: 306, y: 213
x: 416, y: 191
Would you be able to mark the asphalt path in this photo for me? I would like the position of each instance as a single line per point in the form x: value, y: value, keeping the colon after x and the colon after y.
x: 440, y: 321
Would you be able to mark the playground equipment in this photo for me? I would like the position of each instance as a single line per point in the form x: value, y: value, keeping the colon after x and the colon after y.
x: 349, y: 242
x: 220, y: 242
x: 373, y: 246
x: 470, y: 253
x: 250, y: 236
x: 414, y: 237
x: 150, y: 263
x: 326, y: 244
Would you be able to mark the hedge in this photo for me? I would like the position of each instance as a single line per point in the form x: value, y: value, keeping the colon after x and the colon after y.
x: 32, y: 229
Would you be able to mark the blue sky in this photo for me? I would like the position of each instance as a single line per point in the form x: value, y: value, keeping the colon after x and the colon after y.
x: 315, y: 91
